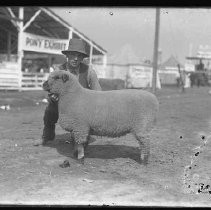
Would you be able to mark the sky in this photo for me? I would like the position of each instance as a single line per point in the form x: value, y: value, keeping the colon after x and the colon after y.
x: 182, y: 30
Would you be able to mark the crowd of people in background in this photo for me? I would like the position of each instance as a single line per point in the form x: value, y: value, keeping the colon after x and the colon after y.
x: 37, y: 65
x: 199, y: 77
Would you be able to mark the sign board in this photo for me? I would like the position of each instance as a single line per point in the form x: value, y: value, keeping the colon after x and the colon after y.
x: 189, y: 67
x: 141, y: 76
x: 43, y: 44
x: 141, y: 72
x: 204, y: 51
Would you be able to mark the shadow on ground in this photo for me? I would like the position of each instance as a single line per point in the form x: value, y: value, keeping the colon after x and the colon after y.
x: 65, y: 147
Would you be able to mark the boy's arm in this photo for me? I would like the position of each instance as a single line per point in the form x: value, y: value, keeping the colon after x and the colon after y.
x: 93, y: 80
x: 52, y: 97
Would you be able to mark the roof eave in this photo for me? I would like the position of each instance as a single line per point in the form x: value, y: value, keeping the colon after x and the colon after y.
x: 66, y: 24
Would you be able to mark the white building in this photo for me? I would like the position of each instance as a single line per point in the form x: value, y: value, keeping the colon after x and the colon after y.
x: 168, y: 71
x: 127, y: 66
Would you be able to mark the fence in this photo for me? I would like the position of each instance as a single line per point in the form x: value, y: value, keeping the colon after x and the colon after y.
x: 12, y: 79
x: 9, y: 76
x: 33, y: 81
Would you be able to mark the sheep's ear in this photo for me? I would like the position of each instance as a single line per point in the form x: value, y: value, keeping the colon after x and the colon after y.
x: 65, y: 77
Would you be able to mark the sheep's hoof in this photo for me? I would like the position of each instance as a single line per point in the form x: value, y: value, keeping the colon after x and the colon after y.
x: 85, y: 145
x: 144, y: 159
x: 81, y: 161
x: 145, y: 162
x: 75, y: 154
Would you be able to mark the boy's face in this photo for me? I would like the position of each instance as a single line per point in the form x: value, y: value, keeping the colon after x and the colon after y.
x: 74, y: 59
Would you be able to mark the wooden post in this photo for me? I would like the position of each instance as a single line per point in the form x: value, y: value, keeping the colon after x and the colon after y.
x: 20, y: 40
x: 104, y: 64
x: 49, y: 62
x: 70, y: 35
x: 104, y: 61
x: 91, y: 52
x: 9, y: 46
x: 155, y: 55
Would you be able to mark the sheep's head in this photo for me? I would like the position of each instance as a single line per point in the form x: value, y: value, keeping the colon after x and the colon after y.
x: 57, y: 82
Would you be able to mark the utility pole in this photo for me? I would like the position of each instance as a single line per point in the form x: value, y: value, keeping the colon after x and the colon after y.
x: 155, y: 54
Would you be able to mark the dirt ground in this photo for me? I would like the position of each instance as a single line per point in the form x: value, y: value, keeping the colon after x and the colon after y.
x: 111, y: 175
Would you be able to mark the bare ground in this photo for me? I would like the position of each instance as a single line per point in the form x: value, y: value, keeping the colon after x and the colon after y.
x: 111, y: 174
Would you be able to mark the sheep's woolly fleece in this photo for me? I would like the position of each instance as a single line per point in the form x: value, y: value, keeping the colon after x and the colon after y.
x: 102, y: 113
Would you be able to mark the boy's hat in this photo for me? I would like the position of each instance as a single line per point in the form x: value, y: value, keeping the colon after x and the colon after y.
x: 76, y: 45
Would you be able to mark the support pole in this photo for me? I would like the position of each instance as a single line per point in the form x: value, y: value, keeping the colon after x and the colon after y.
x: 9, y: 46
x: 70, y: 35
x: 155, y: 55
x: 104, y: 64
x: 49, y: 62
x: 20, y: 40
x: 91, y: 52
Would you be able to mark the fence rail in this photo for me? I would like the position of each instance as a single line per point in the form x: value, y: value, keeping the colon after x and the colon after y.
x: 9, y: 76
x: 33, y: 81
x: 24, y: 81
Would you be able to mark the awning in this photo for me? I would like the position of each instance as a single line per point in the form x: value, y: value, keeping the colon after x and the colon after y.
x: 197, y: 58
x: 42, y: 21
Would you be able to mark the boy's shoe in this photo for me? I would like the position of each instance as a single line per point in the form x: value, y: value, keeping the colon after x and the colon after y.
x: 48, y: 134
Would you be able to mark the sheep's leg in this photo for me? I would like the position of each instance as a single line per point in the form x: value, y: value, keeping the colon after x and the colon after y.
x: 80, y: 149
x: 80, y: 139
x: 89, y: 140
x: 144, y: 146
x: 79, y: 152
x: 76, y: 146
x: 75, y: 150
x: 86, y: 143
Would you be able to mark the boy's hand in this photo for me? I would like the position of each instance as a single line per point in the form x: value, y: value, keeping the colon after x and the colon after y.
x: 52, y: 97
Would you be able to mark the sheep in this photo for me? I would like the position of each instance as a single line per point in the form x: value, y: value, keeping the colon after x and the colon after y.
x: 113, y: 113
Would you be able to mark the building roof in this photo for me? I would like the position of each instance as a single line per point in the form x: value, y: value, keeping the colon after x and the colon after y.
x: 171, y: 62
x: 44, y: 22
x: 77, y: 32
x: 125, y: 56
